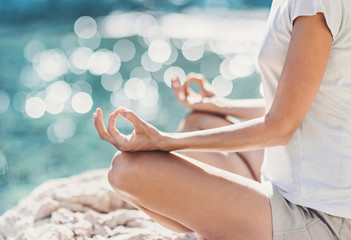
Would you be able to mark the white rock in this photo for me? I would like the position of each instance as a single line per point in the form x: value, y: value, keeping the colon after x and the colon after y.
x: 48, y: 231
x: 80, y: 207
x: 46, y: 207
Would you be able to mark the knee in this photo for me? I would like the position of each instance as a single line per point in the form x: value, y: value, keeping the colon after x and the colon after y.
x: 128, y: 170
x: 119, y: 170
x: 191, y: 122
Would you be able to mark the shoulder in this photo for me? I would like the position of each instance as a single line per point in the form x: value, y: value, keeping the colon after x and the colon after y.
x: 334, y: 11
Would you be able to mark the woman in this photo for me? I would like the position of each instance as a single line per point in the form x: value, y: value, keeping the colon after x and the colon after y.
x: 305, y: 130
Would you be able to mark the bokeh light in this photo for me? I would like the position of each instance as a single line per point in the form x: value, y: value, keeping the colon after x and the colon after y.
x: 104, y: 61
x: 150, y: 97
x: 32, y: 48
x: 224, y: 69
x: 4, y: 101
x: 56, y: 96
x: 118, y: 25
x: 82, y: 102
x: 52, y: 64
x: 135, y: 88
x: 35, y: 107
x: 241, y: 66
x: 82, y: 86
x: 159, y: 51
x: 29, y: 78
x: 60, y: 130
x: 92, y: 43
x: 222, y: 86
x: 146, y: 25
x: 79, y: 58
x: 112, y: 82
x: 149, y: 64
x: 125, y: 49
x: 147, y: 113
x: 173, y: 57
x: 174, y: 71
x: 53, y: 104
x: 85, y: 27
x: 193, y: 50
x: 120, y: 99
x: 141, y: 73
x: 61, y: 89
x: 69, y: 42
x: 19, y: 101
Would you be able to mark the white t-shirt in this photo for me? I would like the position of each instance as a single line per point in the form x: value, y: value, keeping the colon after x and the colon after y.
x: 314, y: 168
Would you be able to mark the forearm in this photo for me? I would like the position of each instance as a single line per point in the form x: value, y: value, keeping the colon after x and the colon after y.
x: 239, y: 108
x: 253, y: 134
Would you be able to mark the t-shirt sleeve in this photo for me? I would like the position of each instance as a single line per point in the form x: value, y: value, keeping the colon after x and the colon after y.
x: 332, y: 10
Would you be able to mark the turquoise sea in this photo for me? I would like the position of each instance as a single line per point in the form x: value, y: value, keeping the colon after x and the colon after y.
x: 54, y: 74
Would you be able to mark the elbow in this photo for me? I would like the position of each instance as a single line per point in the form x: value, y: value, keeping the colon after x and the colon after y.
x: 285, y: 138
x: 281, y: 130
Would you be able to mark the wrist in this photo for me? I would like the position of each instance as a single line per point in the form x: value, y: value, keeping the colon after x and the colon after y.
x: 219, y: 105
x: 167, y: 142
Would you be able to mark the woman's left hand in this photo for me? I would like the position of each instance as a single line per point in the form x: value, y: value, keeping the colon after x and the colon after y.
x: 205, y: 100
x: 145, y: 137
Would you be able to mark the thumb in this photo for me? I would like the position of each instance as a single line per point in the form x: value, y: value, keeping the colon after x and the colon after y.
x: 177, y: 88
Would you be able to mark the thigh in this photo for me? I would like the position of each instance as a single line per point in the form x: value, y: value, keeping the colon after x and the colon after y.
x: 247, y: 164
x: 215, y: 203
x: 254, y: 160
x: 228, y: 161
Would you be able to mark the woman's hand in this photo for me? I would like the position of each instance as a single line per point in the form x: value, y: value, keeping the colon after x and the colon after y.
x: 205, y: 100
x: 145, y: 137
x: 206, y: 90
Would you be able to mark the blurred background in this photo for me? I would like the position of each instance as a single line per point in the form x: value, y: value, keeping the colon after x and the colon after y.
x: 60, y: 60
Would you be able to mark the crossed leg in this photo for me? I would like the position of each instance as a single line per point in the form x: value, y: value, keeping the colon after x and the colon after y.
x: 186, y: 195
x: 247, y: 164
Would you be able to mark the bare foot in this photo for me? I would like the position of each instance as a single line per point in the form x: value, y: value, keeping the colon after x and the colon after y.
x: 198, y: 236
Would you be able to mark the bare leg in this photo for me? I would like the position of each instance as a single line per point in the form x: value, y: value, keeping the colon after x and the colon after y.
x: 162, y: 220
x: 232, y: 162
x: 215, y: 203
x: 247, y: 164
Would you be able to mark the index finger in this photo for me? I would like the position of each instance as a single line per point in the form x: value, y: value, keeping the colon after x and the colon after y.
x: 111, y: 126
x: 178, y: 89
x: 99, y: 125
x: 199, y: 79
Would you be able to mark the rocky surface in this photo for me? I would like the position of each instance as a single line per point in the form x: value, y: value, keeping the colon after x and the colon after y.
x: 80, y: 207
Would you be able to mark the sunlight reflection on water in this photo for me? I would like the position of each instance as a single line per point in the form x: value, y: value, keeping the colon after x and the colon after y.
x: 123, y: 59
x: 4, y: 167
x: 4, y: 100
x: 161, y: 38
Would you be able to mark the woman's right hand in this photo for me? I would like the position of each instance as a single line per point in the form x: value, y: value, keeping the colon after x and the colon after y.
x: 145, y: 137
x: 205, y: 100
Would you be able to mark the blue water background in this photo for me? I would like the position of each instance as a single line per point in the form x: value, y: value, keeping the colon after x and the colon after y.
x: 29, y: 153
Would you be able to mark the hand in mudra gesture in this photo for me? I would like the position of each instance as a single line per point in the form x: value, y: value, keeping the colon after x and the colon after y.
x: 205, y: 100
x: 145, y: 137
